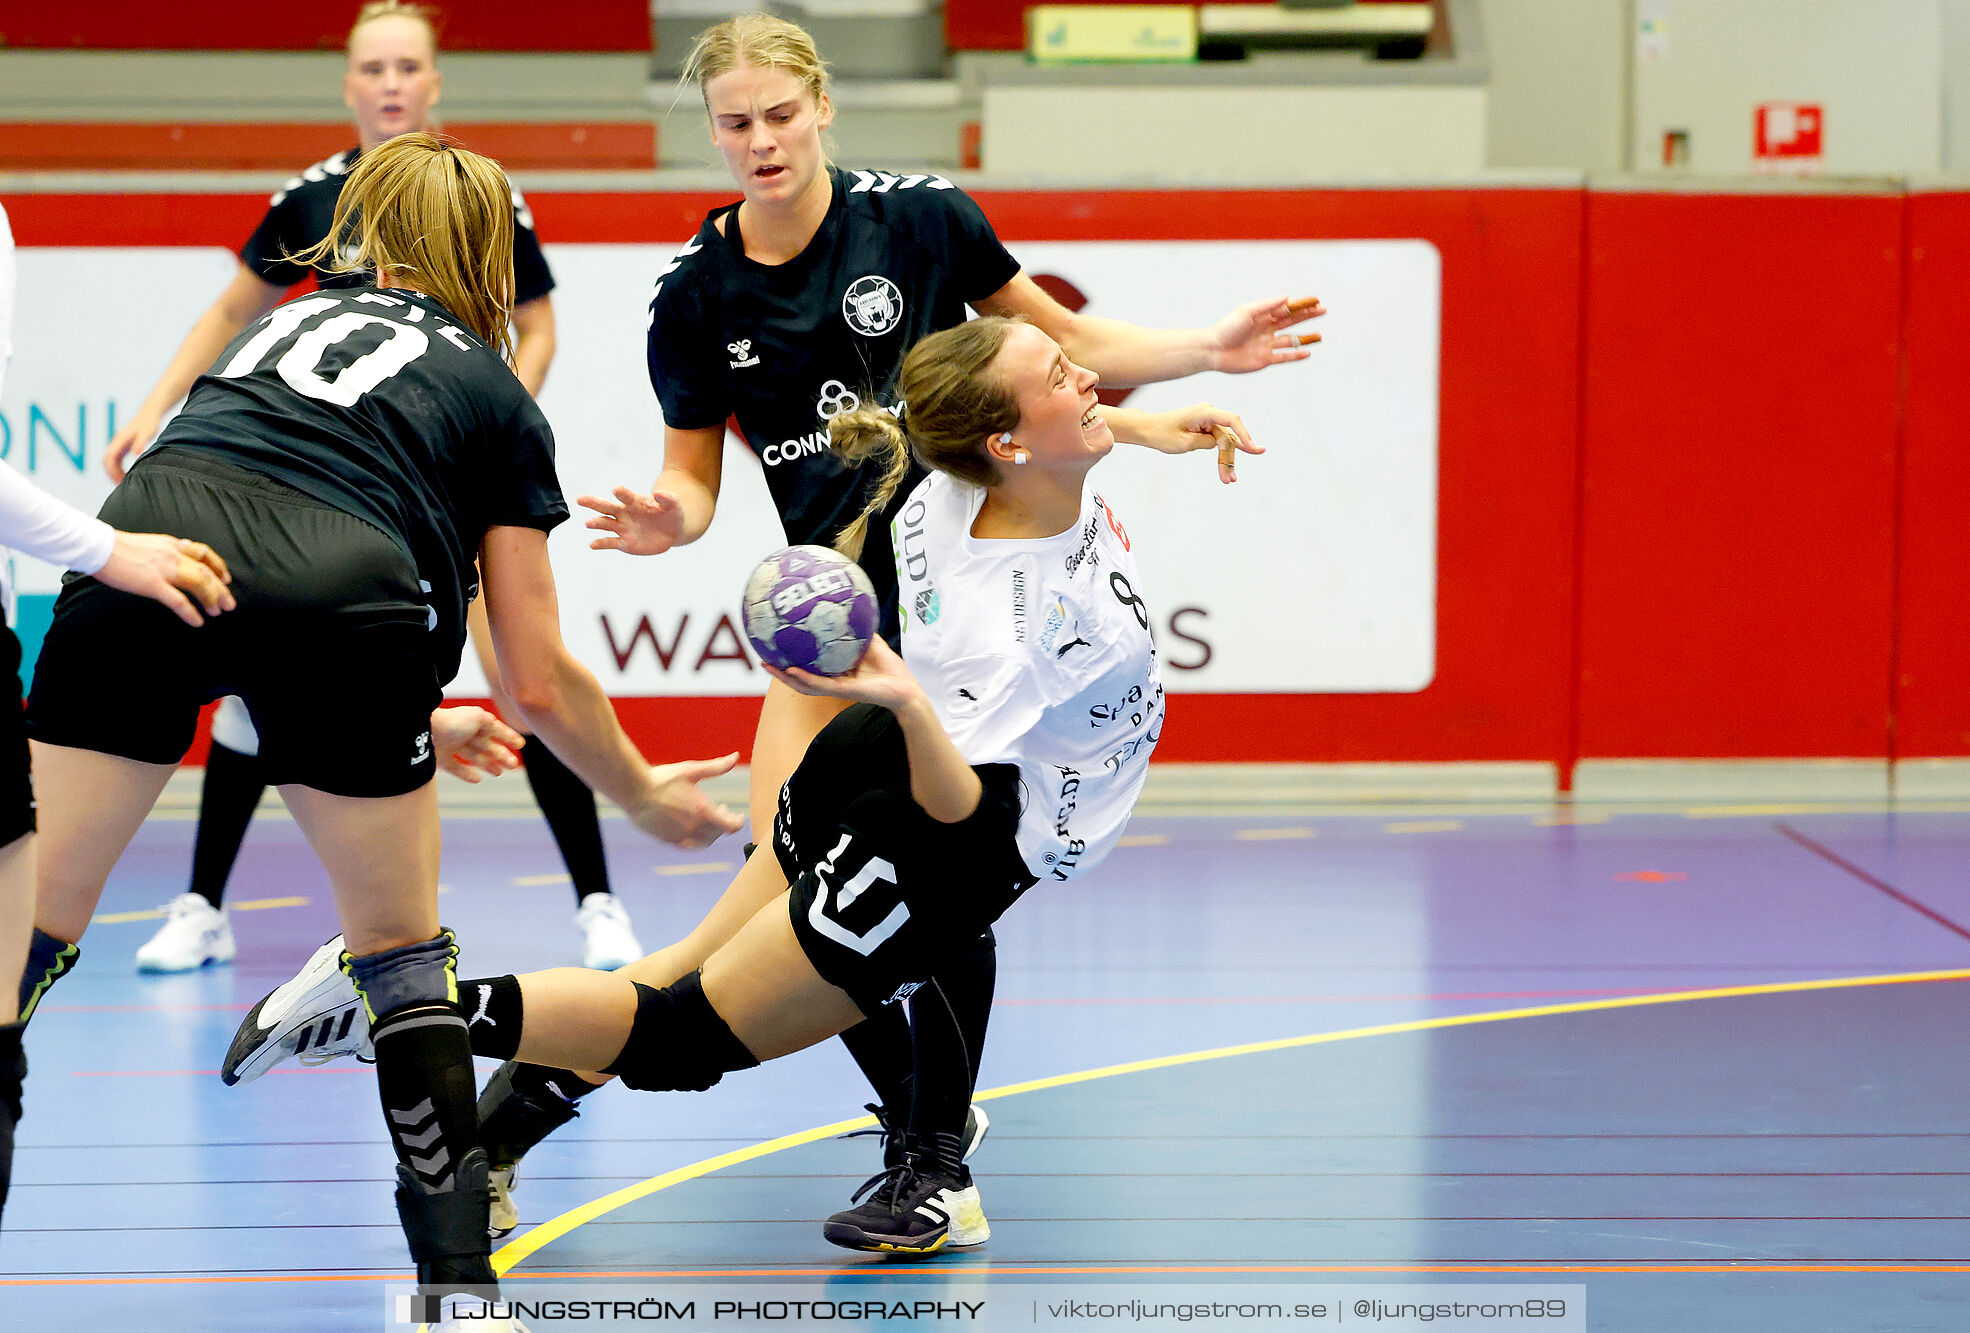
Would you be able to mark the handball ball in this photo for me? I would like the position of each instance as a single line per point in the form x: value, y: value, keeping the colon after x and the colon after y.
x: 810, y: 607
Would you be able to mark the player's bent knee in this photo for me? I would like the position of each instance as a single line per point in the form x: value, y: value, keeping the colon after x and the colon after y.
x: 411, y: 976
x: 678, y: 1043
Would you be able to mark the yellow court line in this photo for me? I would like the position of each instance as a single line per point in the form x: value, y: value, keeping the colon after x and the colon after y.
x: 700, y: 868
x: 512, y: 1254
x: 250, y: 905
x: 1425, y: 826
x: 1143, y: 840
x: 539, y: 881
x: 1272, y: 834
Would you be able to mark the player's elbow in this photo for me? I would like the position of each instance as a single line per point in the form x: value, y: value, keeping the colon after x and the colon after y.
x: 537, y: 692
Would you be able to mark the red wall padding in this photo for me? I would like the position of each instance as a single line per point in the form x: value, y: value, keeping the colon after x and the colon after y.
x: 1701, y: 442
x: 1933, y: 647
x: 251, y: 25
x: 1741, y: 388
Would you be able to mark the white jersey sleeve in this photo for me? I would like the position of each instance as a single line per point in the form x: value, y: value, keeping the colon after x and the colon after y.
x: 31, y: 520
x: 35, y: 522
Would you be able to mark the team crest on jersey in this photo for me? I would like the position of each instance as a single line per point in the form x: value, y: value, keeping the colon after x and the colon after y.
x: 742, y: 353
x: 872, y: 305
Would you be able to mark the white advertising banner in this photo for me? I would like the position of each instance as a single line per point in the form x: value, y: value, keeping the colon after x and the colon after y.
x: 1315, y: 573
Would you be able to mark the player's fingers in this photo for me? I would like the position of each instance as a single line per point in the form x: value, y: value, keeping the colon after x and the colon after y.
x: 606, y: 544
x: 1306, y: 307
x: 599, y: 505
x: 180, y: 605
x: 1295, y: 339
x: 203, y: 585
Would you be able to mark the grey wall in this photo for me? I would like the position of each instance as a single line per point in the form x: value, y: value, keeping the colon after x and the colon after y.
x: 1558, y: 83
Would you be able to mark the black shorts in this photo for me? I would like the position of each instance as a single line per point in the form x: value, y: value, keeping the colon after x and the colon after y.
x: 330, y: 645
x: 16, y: 785
x: 879, y: 891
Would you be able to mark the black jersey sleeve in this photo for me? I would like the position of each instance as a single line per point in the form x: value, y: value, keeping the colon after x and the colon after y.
x: 520, y: 489
x: 531, y: 277
x: 976, y: 258
x: 684, y: 348
x: 282, y: 232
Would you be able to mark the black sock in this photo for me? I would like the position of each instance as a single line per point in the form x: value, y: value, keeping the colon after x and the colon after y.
x: 424, y: 1077
x: 13, y: 1069
x: 569, y: 807
x: 881, y: 1047
x: 522, y: 1105
x: 232, y: 791
x: 48, y: 960
x: 943, y: 1082
x: 493, y: 1016
x: 947, y: 1027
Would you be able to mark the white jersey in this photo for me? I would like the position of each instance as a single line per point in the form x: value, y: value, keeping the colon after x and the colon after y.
x: 1035, y: 653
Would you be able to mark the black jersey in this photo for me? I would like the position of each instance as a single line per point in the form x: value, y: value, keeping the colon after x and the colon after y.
x: 300, y: 215
x: 381, y: 405
x: 784, y: 347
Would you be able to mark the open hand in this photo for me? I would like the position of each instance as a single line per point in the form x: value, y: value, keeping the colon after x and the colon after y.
x: 164, y: 569
x: 1255, y: 336
x: 637, y: 523
x: 677, y: 811
x: 473, y: 744
x: 879, y: 678
x: 126, y: 444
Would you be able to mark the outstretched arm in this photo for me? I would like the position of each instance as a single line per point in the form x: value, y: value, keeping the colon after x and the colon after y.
x: 563, y: 703
x: 533, y: 342
x: 1252, y: 337
x: 245, y: 299
x: 677, y: 508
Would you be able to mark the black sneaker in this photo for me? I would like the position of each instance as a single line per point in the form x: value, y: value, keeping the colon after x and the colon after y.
x: 912, y: 1212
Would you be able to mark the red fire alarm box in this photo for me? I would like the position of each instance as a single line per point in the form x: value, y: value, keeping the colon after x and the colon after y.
x: 1788, y: 135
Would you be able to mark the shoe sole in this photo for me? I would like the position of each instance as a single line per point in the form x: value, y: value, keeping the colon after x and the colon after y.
x: 217, y: 958
x: 967, y: 1229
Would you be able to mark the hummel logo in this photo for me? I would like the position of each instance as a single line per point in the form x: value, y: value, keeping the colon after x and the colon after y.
x: 421, y: 748
x: 742, y: 351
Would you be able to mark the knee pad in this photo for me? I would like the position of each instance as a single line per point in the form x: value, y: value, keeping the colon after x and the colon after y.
x: 678, y: 1042
x: 425, y: 973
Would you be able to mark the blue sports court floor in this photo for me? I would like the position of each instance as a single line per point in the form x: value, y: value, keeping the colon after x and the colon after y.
x: 1712, y: 1062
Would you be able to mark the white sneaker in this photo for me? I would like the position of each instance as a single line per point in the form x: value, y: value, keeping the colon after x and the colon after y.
x: 608, y: 942
x: 194, y: 933
x: 317, y: 1017
x: 505, y: 1213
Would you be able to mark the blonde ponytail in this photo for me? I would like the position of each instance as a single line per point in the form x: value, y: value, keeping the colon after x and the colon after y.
x: 953, y: 402
x: 866, y: 433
